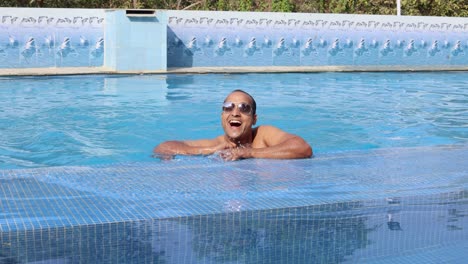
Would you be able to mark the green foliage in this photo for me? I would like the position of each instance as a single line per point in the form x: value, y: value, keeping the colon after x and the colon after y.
x: 435, y: 8
x: 246, y: 5
x: 377, y: 7
x: 282, y: 6
x: 264, y: 6
x: 222, y: 5
x: 385, y: 7
x: 342, y: 6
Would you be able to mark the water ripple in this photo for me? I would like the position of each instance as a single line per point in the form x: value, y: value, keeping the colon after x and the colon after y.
x: 52, y: 121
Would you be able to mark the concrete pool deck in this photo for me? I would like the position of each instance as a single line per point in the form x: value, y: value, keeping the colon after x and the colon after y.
x: 224, y: 70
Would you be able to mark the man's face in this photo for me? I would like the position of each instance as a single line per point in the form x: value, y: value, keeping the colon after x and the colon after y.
x: 236, y: 118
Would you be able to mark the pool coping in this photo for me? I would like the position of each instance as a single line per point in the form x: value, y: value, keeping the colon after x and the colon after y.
x: 226, y: 70
x: 108, y: 193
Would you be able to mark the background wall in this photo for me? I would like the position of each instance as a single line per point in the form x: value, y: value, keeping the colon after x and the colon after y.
x: 31, y: 38
x: 293, y: 39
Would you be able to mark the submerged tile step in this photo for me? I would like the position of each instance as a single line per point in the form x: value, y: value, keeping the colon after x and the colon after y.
x: 190, y: 186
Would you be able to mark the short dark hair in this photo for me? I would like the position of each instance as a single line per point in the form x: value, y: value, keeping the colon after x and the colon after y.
x: 254, y: 104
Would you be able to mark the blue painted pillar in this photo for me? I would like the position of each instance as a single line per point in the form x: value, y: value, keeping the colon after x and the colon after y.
x: 135, y: 40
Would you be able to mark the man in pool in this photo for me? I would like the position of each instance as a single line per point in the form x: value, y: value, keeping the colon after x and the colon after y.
x: 241, y: 140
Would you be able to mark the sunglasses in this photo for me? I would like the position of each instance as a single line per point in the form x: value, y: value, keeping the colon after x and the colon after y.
x: 244, y: 108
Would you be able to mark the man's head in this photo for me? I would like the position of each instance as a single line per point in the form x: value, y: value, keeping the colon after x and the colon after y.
x: 252, y: 100
x: 238, y: 116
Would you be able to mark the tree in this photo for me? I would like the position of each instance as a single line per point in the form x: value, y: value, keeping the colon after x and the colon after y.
x: 282, y: 6
x: 376, y: 7
x: 245, y: 5
x: 435, y: 8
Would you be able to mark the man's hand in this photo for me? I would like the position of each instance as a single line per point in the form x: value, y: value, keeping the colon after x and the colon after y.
x: 237, y: 153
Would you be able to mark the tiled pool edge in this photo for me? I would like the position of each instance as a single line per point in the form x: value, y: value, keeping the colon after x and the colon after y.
x: 109, y: 193
x: 130, y: 231
x: 124, y: 235
x: 224, y: 70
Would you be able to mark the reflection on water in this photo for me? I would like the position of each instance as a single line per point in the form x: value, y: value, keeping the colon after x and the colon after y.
x: 328, y: 233
x: 87, y: 120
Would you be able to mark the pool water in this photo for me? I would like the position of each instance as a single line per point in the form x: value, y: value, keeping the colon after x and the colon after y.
x: 96, y: 120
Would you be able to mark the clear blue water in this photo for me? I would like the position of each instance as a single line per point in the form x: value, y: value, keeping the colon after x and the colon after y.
x: 88, y: 120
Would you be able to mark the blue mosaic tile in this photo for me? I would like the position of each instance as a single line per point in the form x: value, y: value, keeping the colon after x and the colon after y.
x: 405, y: 205
x: 63, y: 196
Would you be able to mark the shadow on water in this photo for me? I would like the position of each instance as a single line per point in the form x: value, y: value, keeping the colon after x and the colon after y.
x: 292, y: 234
x: 7, y: 260
x: 327, y: 233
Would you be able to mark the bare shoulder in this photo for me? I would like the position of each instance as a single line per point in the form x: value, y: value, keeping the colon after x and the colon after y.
x: 269, y: 131
x: 267, y: 135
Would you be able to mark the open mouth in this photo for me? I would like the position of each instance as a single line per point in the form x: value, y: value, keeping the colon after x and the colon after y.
x: 235, y: 123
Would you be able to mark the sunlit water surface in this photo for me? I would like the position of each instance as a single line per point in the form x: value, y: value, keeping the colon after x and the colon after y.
x: 89, y: 120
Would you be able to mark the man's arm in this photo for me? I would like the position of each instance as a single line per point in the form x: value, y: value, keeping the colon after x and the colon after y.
x: 191, y: 147
x: 272, y: 143
x: 292, y: 147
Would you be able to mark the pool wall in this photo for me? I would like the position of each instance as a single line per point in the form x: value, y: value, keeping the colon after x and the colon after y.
x: 167, y: 40
x: 135, y: 40
x: 218, y: 39
x: 40, y: 38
